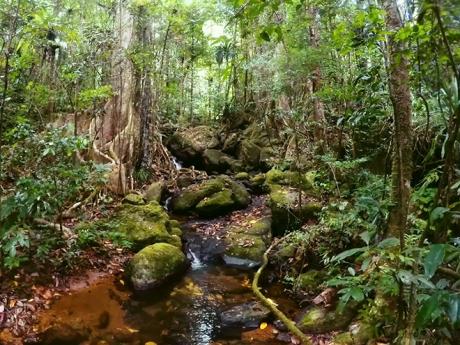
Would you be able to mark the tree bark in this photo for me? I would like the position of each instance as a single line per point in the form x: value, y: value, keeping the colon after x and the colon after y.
x: 144, y: 96
x: 314, y: 84
x: 402, y: 133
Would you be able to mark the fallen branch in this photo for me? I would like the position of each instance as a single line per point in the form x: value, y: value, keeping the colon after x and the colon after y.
x: 67, y: 232
x: 291, y: 326
x: 68, y: 213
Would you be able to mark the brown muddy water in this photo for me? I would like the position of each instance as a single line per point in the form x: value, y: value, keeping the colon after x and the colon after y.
x: 185, y: 313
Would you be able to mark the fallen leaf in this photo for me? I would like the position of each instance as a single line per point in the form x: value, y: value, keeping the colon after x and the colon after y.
x: 150, y: 343
x: 263, y: 325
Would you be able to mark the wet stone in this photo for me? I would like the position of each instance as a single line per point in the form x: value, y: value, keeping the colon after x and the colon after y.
x: 248, y: 315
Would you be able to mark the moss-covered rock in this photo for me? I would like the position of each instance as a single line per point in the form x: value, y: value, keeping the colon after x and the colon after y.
x: 258, y: 185
x: 154, y: 265
x: 192, y: 195
x: 155, y: 191
x: 174, y: 228
x: 359, y: 333
x: 286, y: 212
x: 216, y: 204
x: 321, y: 320
x: 246, y: 243
x: 245, y: 247
x: 144, y: 224
x: 189, y: 144
x: 217, y: 161
x: 289, y: 178
x: 242, y: 176
x: 241, y: 196
x: 249, y: 153
x: 134, y: 199
x: 310, y: 281
x: 212, y: 197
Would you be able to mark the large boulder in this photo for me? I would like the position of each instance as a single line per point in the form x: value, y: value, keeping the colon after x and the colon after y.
x: 155, y: 191
x: 247, y: 242
x: 255, y: 149
x: 193, y: 194
x: 217, y: 161
x: 248, y: 315
x: 155, y: 265
x: 144, y: 225
x: 216, y: 204
x: 189, y: 144
x: 212, y: 197
x: 287, y: 212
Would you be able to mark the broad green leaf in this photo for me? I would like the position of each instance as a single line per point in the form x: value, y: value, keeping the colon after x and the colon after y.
x: 348, y: 253
x: 434, y: 259
x: 438, y: 213
x: 357, y: 294
x: 453, y: 310
x: 425, y: 313
x: 389, y: 242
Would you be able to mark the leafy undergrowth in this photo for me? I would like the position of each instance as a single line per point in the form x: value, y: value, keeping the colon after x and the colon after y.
x: 56, y: 267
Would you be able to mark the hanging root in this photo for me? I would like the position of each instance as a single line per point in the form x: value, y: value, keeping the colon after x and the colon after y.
x: 291, y: 326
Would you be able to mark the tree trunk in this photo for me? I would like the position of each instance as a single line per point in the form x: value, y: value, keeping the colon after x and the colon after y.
x: 314, y: 83
x: 144, y: 96
x: 402, y: 136
x: 115, y: 134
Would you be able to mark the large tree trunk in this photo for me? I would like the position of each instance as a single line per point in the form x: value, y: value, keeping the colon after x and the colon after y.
x: 402, y: 136
x: 144, y: 95
x: 114, y: 134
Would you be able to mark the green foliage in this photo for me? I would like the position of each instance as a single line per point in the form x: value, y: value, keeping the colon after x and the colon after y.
x: 49, y: 179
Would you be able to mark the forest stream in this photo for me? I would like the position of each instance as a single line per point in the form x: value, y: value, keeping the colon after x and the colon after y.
x: 211, y: 304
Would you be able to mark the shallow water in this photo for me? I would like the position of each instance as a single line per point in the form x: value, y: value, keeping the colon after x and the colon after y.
x: 185, y: 313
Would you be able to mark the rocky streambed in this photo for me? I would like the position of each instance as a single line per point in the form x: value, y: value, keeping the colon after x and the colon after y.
x: 211, y: 303
x: 189, y: 281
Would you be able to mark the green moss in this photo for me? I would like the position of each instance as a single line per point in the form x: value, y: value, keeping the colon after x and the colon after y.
x: 175, y: 240
x: 142, y: 233
x: 283, y: 202
x: 242, y: 176
x: 240, y: 193
x: 310, y: 209
x: 250, y: 153
x: 289, y: 178
x: 216, y: 204
x: 174, y: 223
x: 176, y: 231
x: 360, y: 334
x: 193, y: 194
x: 344, y: 338
x: 286, y: 250
x: 134, y: 199
x: 155, y: 191
x: 319, y: 320
x: 255, y: 227
x: 144, y: 224
x: 154, y: 265
x: 310, y: 281
x: 245, y: 246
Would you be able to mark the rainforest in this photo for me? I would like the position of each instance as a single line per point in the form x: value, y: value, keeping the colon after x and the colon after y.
x: 229, y: 172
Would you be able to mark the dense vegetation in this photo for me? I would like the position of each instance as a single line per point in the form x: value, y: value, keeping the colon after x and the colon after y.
x: 360, y: 99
